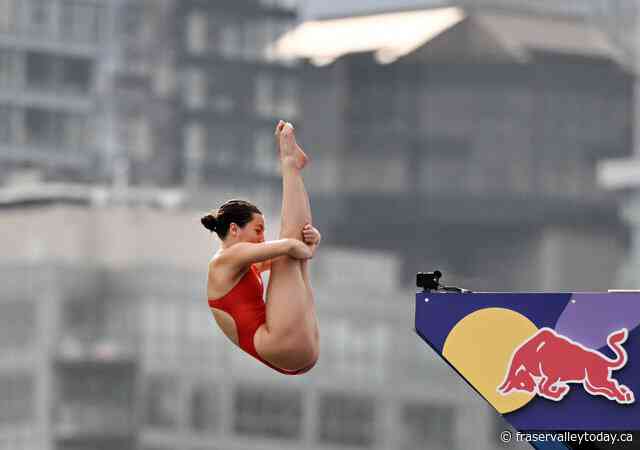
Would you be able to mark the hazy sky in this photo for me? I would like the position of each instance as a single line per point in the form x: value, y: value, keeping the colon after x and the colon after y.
x: 319, y: 8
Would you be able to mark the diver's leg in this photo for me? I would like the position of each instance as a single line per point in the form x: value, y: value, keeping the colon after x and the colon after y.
x: 311, y: 316
x: 289, y: 338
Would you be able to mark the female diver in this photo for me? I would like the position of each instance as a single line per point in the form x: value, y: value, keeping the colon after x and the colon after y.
x: 283, y: 334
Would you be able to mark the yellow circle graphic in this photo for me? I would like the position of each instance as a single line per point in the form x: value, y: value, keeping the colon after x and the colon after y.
x: 480, y: 347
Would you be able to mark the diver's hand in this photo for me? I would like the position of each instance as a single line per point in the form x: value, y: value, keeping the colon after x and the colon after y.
x: 300, y: 250
x: 311, y: 235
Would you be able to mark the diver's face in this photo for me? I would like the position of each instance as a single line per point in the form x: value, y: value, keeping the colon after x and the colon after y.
x: 253, y: 231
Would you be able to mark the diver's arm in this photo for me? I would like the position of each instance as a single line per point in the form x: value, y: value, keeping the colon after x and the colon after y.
x: 244, y: 253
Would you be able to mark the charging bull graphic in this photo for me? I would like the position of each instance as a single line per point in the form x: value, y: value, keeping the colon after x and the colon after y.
x: 547, y: 362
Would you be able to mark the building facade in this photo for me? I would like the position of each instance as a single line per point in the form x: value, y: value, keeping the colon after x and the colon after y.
x: 108, y: 342
x: 481, y: 144
x: 138, y: 92
x: 473, y: 154
x: 234, y: 89
x: 50, y: 53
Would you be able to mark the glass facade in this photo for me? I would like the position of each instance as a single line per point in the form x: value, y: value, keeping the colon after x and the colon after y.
x: 267, y: 411
x: 347, y: 419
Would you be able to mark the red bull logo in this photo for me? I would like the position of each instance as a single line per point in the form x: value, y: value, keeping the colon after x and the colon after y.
x: 548, y: 362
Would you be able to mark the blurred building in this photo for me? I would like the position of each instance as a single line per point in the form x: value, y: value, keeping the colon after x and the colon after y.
x: 139, y: 95
x: 86, y: 91
x: 234, y: 89
x: 141, y: 92
x: 569, y: 8
x: 107, y: 342
x: 49, y: 55
x: 471, y: 149
x: 474, y: 135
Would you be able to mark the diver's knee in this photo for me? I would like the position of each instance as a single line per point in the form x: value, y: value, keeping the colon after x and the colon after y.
x: 312, y: 349
x: 308, y: 356
x: 301, y: 344
x: 315, y: 354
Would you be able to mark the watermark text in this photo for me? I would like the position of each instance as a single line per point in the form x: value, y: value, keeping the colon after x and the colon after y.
x: 578, y: 437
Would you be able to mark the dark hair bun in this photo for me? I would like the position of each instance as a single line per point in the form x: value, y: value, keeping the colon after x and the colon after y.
x: 239, y: 212
x: 210, y: 222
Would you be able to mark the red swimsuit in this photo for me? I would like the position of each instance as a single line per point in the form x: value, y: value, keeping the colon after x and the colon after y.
x: 244, y: 303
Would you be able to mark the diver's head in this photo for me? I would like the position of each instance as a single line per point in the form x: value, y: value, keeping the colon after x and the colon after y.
x: 238, y: 220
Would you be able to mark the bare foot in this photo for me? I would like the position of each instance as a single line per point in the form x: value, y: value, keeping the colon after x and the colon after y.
x: 290, y: 151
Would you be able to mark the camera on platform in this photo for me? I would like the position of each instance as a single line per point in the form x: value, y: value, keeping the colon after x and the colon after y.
x: 428, y: 280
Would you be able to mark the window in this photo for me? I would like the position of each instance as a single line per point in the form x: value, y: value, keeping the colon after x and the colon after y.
x: 7, y: 16
x: 6, y: 135
x: 570, y: 122
x: 230, y: 39
x: 52, y: 128
x: 443, y: 108
x: 442, y: 166
x: 259, y: 37
x: 95, y: 399
x: 132, y: 21
x: 253, y: 45
x: 164, y: 80
x: 41, y: 70
x: 221, y: 91
x: 203, y: 340
x: 196, y: 34
x: 80, y: 21
x: 44, y: 71
x: 356, y: 351
x: 205, y: 414
x: 265, y: 157
x: 196, y: 88
x: 287, y: 104
x: 378, y: 342
x: 17, y: 394
x: 267, y: 411
x: 41, y: 127
x: 161, y: 321
x: 222, y: 148
x: 138, y: 139
x: 427, y: 426
x: 195, y: 141
x: 73, y: 132
x: 39, y: 15
x: 81, y: 319
x: 347, y: 420
x: 222, y: 102
x: 121, y: 321
x: 215, y: 24
x: 270, y: 34
x: 162, y: 401
x: 276, y: 98
x: 76, y: 75
x: 264, y: 86
x: 260, y: 31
